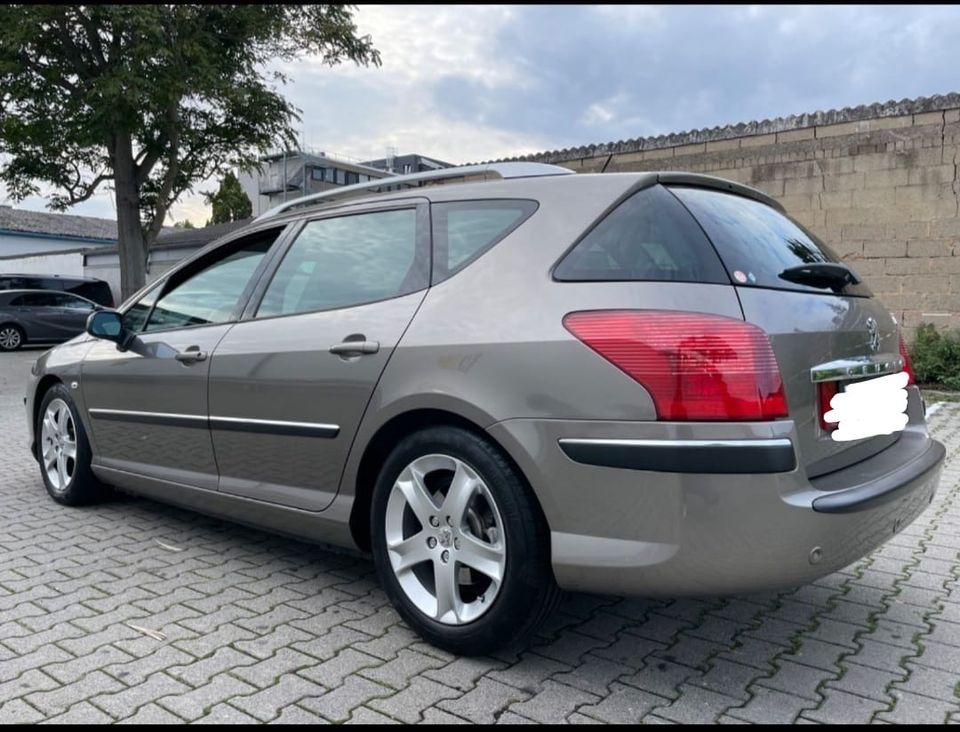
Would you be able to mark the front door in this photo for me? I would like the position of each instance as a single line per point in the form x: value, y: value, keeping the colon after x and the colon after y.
x: 290, y: 383
x: 148, y: 405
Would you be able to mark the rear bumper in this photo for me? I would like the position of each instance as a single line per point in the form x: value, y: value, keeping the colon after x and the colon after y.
x: 622, y: 523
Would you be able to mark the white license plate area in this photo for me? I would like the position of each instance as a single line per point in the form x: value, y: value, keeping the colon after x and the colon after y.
x: 869, y: 408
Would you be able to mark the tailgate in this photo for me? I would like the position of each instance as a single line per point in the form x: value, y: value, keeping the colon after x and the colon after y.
x: 813, y: 307
x: 807, y: 330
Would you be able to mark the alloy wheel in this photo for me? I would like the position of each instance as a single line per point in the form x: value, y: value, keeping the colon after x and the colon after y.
x: 58, y: 440
x: 445, y: 539
x: 9, y: 339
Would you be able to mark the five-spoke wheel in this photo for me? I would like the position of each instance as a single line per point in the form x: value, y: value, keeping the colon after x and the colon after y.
x: 445, y: 539
x: 459, y: 541
x: 58, y: 444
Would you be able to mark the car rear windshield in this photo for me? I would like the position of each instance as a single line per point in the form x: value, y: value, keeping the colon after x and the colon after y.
x: 648, y: 237
x: 756, y: 242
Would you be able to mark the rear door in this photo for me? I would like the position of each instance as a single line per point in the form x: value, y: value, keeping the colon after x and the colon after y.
x: 40, y: 315
x: 74, y: 312
x: 290, y: 383
x: 810, y: 324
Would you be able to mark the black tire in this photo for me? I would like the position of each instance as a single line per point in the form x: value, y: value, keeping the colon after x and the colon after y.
x: 528, y: 591
x: 16, y: 338
x: 83, y: 487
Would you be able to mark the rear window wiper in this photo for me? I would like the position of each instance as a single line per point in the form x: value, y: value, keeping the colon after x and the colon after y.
x: 834, y: 275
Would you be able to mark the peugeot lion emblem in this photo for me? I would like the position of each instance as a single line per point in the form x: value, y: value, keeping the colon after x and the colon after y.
x: 873, y: 333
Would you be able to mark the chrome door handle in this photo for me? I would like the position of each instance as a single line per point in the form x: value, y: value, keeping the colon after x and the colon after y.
x: 191, y: 356
x: 355, y: 348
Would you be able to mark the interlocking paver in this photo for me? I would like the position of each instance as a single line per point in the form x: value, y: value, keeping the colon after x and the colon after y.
x: 553, y: 703
x: 409, y: 704
x: 768, y: 706
x: 485, y: 702
x: 194, y: 704
x: 917, y: 709
x: 623, y: 705
x: 841, y: 708
x: 289, y: 689
x: 865, y: 681
x: 337, y: 705
x: 399, y: 672
x: 262, y: 628
x: 124, y: 702
x: 696, y: 706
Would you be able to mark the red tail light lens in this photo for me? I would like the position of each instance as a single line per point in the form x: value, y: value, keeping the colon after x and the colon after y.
x: 695, y: 366
x: 907, y: 363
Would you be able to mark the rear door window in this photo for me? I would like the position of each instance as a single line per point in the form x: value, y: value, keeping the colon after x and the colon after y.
x: 345, y: 261
x: 756, y: 242
x: 463, y: 230
x: 648, y: 237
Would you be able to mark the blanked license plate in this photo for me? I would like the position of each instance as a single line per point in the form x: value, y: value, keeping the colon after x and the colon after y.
x: 869, y: 408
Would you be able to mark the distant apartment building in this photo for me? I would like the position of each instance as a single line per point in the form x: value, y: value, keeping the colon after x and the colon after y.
x: 290, y: 174
x: 407, y: 164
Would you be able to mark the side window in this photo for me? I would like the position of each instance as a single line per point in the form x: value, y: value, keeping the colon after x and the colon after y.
x: 650, y: 236
x: 37, y: 300
x: 74, y: 303
x: 211, y: 294
x: 348, y: 260
x: 463, y: 230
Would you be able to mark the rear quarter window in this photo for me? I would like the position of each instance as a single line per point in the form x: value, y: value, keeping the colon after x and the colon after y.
x: 463, y: 230
x: 756, y: 242
x: 648, y: 237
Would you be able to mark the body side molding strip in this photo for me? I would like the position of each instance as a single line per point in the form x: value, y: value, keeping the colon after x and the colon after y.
x: 232, y: 424
x: 774, y: 455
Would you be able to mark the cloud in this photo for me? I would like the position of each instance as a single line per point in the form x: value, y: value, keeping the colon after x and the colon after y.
x: 469, y: 83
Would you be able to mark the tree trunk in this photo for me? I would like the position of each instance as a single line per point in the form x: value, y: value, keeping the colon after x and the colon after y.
x: 132, y: 244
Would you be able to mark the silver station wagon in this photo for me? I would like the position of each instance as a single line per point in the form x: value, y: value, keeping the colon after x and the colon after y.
x: 505, y: 380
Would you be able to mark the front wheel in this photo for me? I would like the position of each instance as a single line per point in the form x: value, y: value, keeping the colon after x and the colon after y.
x: 459, y: 543
x: 64, y: 451
x: 11, y: 338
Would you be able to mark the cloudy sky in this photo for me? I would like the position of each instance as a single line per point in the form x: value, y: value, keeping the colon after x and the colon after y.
x: 472, y: 83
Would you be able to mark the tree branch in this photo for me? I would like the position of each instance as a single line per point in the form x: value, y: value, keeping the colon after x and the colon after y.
x: 93, y: 37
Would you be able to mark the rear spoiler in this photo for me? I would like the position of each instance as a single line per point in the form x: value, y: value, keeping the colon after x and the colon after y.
x: 720, y: 184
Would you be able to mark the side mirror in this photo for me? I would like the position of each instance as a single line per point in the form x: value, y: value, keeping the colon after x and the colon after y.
x: 108, y: 325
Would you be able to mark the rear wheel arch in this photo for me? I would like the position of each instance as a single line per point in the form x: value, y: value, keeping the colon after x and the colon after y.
x: 382, y: 443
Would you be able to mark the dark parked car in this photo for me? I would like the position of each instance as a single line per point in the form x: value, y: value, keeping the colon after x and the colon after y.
x: 90, y: 288
x: 41, y: 316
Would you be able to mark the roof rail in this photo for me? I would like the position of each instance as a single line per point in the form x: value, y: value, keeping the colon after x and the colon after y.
x: 503, y: 170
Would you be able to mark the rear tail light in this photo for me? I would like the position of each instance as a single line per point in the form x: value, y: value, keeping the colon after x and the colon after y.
x: 907, y: 363
x: 695, y: 366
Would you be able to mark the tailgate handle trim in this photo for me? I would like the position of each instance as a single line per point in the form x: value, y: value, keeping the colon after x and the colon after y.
x: 852, y: 368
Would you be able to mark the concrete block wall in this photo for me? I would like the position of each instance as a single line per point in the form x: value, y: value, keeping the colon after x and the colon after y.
x: 879, y: 184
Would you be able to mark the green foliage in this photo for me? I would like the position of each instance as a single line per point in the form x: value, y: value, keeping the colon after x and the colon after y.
x: 936, y: 356
x: 151, y: 99
x: 229, y: 203
x: 185, y: 224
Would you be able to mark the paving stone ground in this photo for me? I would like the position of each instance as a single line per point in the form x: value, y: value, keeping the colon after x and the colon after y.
x: 264, y: 629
